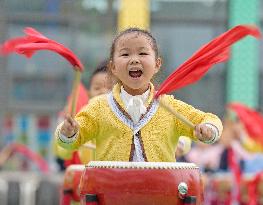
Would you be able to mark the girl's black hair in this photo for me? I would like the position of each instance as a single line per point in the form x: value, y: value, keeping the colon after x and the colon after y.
x: 101, y: 68
x: 138, y: 31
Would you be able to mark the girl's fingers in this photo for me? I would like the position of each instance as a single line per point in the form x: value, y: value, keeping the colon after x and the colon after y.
x: 70, y: 126
x: 202, y: 131
x: 75, y: 124
x: 69, y: 119
x: 67, y: 129
x: 70, y: 129
x: 67, y: 124
x: 197, y: 131
x: 71, y: 122
x: 206, y: 131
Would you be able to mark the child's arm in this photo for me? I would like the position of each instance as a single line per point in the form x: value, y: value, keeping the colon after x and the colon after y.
x: 73, y: 132
x: 208, y: 127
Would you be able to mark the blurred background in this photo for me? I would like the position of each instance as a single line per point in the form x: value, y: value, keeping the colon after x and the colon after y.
x: 32, y: 92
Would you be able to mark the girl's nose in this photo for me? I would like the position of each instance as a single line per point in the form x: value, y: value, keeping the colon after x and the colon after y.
x: 134, y: 60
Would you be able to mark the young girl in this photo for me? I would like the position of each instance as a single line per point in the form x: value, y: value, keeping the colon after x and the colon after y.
x: 129, y: 124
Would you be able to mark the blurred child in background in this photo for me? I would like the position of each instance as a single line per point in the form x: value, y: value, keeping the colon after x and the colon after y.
x: 182, y: 148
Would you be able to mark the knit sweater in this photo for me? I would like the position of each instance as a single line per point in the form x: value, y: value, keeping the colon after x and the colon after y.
x: 106, y: 119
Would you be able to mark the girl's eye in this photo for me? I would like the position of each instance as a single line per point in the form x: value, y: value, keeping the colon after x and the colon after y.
x: 124, y: 54
x: 143, y: 54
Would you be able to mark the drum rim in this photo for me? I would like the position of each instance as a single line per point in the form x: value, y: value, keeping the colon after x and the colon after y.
x: 77, y: 167
x: 141, y: 165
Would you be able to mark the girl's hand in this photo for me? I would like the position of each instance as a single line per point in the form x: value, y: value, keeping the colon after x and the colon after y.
x: 69, y: 127
x: 203, y: 132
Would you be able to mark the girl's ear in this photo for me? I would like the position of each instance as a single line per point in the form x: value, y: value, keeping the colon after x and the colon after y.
x: 111, y: 67
x: 158, y: 64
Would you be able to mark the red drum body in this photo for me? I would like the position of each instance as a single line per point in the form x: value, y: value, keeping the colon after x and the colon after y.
x: 146, y: 183
x: 70, y: 189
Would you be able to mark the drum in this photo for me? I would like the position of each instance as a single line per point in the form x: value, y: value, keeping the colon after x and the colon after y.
x: 70, y: 189
x: 147, y: 183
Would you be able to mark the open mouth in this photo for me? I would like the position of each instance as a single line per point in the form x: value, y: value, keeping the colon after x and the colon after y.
x: 135, y: 73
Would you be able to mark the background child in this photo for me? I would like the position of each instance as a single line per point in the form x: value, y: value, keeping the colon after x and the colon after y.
x: 128, y: 124
x: 100, y: 81
x: 183, y: 147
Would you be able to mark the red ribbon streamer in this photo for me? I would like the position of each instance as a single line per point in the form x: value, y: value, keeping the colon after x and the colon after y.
x: 216, y: 51
x: 34, y: 41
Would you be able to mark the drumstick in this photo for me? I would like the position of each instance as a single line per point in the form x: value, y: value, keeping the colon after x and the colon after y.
x: 74, y: 92
x: 177, y: 114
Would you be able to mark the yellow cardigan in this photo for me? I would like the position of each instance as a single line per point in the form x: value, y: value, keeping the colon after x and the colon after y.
x: 106, y: 119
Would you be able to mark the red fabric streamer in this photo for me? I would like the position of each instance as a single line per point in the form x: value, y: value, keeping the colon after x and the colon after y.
x: 251, y: 119
x: 32, y: 36
x: 30, y: 48
x: 216, y: 51
x: 35, y: 157
x: 34, y: 41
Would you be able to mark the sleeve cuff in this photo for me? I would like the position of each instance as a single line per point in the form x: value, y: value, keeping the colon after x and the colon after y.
x: 66, y: 139
x: 215, y: 134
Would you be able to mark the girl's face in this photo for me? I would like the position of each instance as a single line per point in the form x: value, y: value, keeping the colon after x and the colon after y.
x: 134, y: 62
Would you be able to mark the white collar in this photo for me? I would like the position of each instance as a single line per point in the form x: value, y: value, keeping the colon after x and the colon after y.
x: 126, y: 96
x: 134, y: 104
